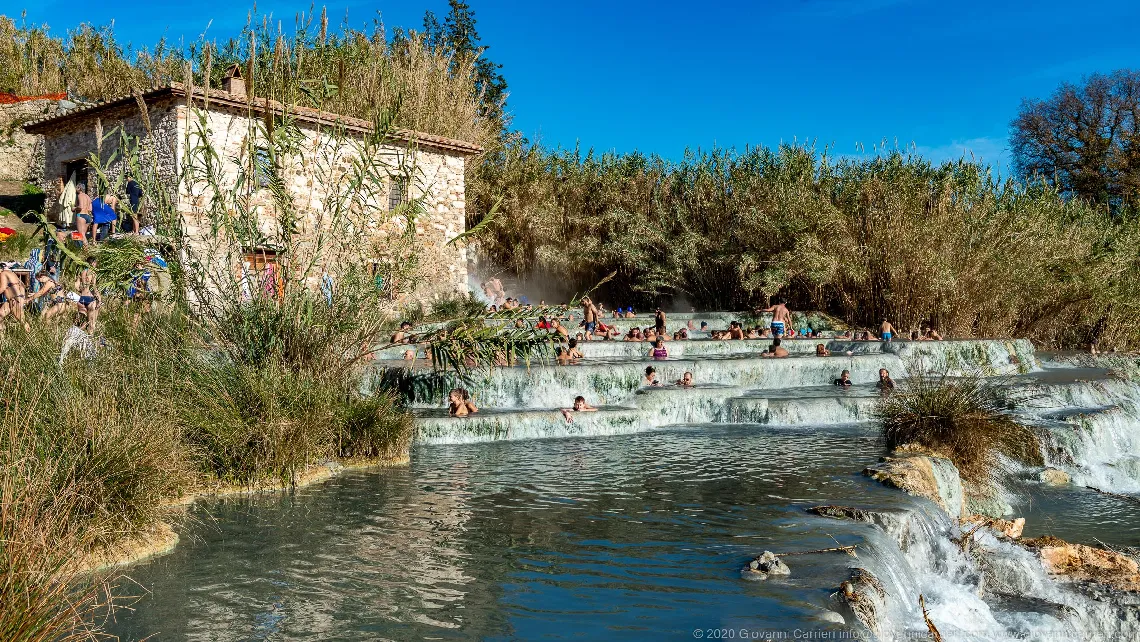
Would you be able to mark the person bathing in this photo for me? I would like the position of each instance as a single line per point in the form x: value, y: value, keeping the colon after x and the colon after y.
x: 781, y: 318
x: 460, y: 404
x: 580, y: 405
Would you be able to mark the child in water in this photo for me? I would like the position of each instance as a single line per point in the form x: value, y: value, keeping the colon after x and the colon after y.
x: 580, y: 405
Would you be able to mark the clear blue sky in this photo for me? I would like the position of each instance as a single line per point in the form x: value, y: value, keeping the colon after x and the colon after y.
x: 946, y: 76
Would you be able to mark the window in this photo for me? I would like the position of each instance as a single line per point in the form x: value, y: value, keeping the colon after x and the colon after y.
x: 262, y: 166
x: 261, y: 273
x: 398, y: 194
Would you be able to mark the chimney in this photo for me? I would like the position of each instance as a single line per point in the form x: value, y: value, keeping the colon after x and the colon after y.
x: 233, y: 83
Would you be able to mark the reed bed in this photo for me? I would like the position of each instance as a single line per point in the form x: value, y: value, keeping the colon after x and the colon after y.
x: 891, y: 236
x: 347, y: 71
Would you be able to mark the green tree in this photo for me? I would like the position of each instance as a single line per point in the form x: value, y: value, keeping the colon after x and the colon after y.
x: 458, y: 35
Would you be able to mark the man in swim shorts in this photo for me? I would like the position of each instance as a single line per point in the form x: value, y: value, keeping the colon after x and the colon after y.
x: 886, y: 330
x: 589, y: 317
x: 781, y: 318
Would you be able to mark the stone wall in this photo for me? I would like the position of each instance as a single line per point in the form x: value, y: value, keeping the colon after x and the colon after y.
x: 75, y: 139
x: 317, y: 178
x: 21, y: 153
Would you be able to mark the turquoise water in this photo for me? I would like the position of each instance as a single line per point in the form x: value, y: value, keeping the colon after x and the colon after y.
x: 632, y: 523
x: 637, y: 537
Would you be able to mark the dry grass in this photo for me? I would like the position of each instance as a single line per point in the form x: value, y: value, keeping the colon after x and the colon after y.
x: 967, y: 419
x: 889, y: 236
x: 350, y: 72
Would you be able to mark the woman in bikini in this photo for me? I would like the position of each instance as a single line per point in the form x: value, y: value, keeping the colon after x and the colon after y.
x: 55, y: 302
x: 88, y: 294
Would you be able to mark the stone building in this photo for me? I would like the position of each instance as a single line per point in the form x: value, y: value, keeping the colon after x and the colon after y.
x: 21, y: 153
x: 170, y: 123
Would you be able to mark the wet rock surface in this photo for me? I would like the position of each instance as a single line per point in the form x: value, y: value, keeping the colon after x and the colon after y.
x: 768, y: 564
x: 1055, y: 477
x: 922, y: 475
x: 1080, y: 563
x: 861, y: 600
x: 1010, y: 528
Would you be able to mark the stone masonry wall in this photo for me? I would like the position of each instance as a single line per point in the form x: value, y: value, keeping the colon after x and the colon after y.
x: 76, y: 139
x: 316, y: 176
x: 21, y: 153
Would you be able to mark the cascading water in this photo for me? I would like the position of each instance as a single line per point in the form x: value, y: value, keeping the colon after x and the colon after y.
x: 635, y: 523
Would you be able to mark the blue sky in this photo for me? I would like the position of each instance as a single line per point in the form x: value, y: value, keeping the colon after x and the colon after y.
x: 946, y: 76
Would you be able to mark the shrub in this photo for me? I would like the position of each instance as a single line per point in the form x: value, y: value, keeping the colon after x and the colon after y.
x: 967, y: 419
x: 16, y: 247
x: 457, y: 306
x: 374, y: 427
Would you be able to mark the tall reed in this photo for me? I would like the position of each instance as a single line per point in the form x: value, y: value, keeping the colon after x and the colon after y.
x: 887, y: 236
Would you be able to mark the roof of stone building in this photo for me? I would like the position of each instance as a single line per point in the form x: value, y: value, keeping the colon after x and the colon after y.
x: 259, y: 105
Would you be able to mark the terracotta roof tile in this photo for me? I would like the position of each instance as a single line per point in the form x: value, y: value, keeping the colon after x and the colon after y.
x: 260, y: 105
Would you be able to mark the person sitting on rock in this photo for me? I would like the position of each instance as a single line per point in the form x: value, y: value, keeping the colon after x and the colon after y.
x: 735, y: 331
x: 558, y: 327
x: 775, y: 351
x: 606, y: 332
x: 459, y: 403
x: 573, y: 350
x: 580, y: 405
x: 885, y: 382
x: 562, y: 355
x: 13, y: 296
x: 844, y: 379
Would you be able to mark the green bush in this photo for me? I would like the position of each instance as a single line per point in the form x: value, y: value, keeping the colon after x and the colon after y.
x: 456, y: 306
x: 859, y: 238
x: 374, y: 427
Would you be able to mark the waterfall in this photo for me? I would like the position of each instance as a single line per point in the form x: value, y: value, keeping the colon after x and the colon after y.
x: 989, y: 590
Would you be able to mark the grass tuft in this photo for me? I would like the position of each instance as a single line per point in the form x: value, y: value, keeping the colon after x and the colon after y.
x: 967, y: 419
